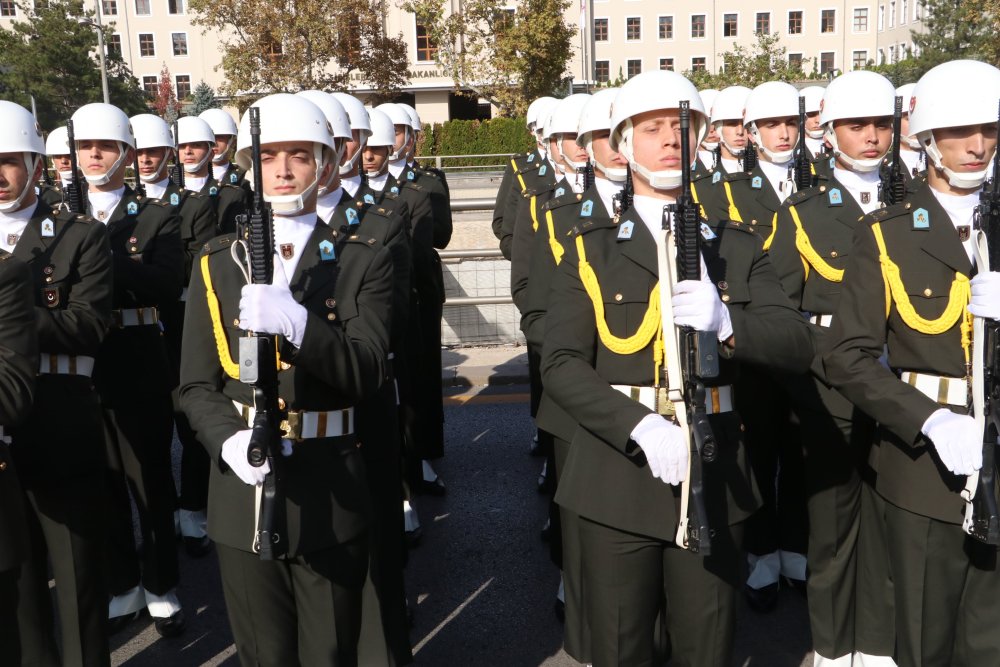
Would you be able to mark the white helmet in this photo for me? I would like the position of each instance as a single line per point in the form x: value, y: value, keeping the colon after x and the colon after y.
x: 857, y: 94
x: 774, y: 99
x: 954, y: 94
x: 98, y: 121
x: 19, y: 133
x: 729, y: 104
x: 544, y: 111
x: 192, y: 130
x: 565, y: 119
x: 596, y: 116
x: 334, y: 111
x: 414, y: 116
x: 357, y: 114
x: 652, y: 91
x: 151, y: 131
x: 533, y: 117
x: 57, y: 142
x: 708, y: 97
x: 222, y: 125
x: 383, y: 134
x: 813, y: 96
x: 906, y: 92
x: 398, y: 116
x: 285, y: 117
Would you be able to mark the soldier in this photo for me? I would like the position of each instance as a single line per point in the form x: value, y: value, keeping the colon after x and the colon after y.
x: 224, y: 130
x: 57, y: 149
x: 138, y: 418
x: 901, y: 353
x: 727, y: 121
x: 708, y: 150
x: 813, y: 131
x: 625, y: 458
x: 58, y: 459
x: 154, y: 146
x: 329, y: 304
x: 910, y: 150
x: 810, y: 248
x: 350, y: 166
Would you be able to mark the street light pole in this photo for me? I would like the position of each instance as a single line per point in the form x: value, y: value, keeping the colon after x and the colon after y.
x: 100, y: 49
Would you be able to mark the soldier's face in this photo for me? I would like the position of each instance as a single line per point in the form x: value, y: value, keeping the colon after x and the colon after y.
x: 222, y: 144
x: 375, y: 157
x: 150, y: 160
x: 401, y: 138
x: 656, y: 140
x: 735, y: 135
x: 97, y: 157
x: 904, y: 131
x: 967, y: 149
x: 602, y: 151
x: 288, y: 167
x: 351, y: 147
x: 571, y: 150
x: 863, y: 138
x: 194, y: 153
x: 712, y: 137
x: 62, y: 162
x: 14, y: 177
x: 812, y: 121
x: 778, y: 134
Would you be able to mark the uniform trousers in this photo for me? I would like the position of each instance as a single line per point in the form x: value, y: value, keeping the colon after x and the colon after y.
x: 875, y: 617
x: 566, y: 541
x: 65, y: 526
x: 947, y: 589
x: 627, y: 576
x: 9, y: 637
x: 297, y: 611
x: 139, y: 440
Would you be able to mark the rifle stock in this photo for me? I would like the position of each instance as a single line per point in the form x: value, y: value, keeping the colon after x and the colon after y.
x: 74, y: 190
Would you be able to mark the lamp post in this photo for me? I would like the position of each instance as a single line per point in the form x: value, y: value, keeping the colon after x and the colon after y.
x: 100, y: 50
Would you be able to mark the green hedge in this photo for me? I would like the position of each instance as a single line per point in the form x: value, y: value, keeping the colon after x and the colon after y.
x: 475, y: 137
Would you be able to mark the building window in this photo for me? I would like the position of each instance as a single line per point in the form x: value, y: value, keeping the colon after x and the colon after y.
x: 892, y: 53
x: 633, y: 28
x: 142, y: 8
x: 150, y: 85
x: 633, y: 67
x: 600, y: 30
x: 860, y: 19
x: 902, y: 12
x: 602, y: 70
x: 147, y: 48
x: 180, y: 42
x: 825, y: 62
x: 795, y: 23
x: 8, y: 8
x: 426, y: 48
x: 175, y: 6
x: 109, y: 7
x: 859, y: 59
x: 828, y: 21
x: 697, y: 26
x: 795, y: 61
x: 115, y: 46
x: 904, y: 53
x: 182, y: 86
x: 667, y: 64
x: 698, y: 64
x: 892, y: 14
x: 881, y: 18
x: 762, y: 26
x: 730, y: 25
x: 666, y: 27
x: 918, y: 10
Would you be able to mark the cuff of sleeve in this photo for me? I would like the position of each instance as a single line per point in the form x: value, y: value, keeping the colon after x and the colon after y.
x: 648, y: 424
x: 298, y: 318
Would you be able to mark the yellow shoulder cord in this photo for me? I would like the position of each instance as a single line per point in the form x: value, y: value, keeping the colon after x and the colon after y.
x: 513, y: 165
x: 650, y: 326
x: 958, y: 300
x: 554, y: 245
x: 534, y: 213
x: 520, y: 179
x: 231, y: 368
x: 734, y: 213
x: 774, y: 229
x: 694, y: 196
x: 809, y: 254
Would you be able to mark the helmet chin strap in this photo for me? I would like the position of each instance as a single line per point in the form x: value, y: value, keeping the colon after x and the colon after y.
x: 397, y: 153
x: 616, y: 174
x: 157, y: 175
x: 101, y: 179
x: 666, y: 179
x: 733, y: 150
x: 289, y: 205
x: 862, y: 166
x: 195, y: 168
x: 965, y: 180
x: 345, y: 169
x: 774, y: 156
x: 334, y: 173
x: 575, y: 166
x: 815, y: 134
x: 30, y: 162
x: 710, y: 145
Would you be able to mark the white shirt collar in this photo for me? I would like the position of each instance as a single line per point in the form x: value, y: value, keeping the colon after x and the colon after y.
x: 396, y: 168
x: 326, y: 204
x: 778, y: 177
x: 194, y: 183
x: 859, y: 183
x: 377, y: 183
x: 606, y: 190
x: 103, y: 204
x: 960, y: 209
x: 12, y: 226
x: 291, y: 234
x: 351, y: 184
x: 156, y: 190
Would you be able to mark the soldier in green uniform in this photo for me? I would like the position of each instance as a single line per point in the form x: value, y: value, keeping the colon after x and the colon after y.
x: 330, y: 306
x: 709, y: 147
x: 910, y: 150
x: 51, y: 454
x: 57, y: 149
x: 351, y: 173
x: 907, y: 298
x: 813, y: 132
x: 148, y: 264
x: 224, y: 130
x: 727, y: 123
x: 602, y: 366
x: 810, y: 247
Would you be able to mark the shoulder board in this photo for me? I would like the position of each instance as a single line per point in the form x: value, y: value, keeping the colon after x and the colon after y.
x: 802, y: 195
x: 736, y: 176
x: 412, y: 185
x: 62, y: 215
x: 701, y: 175
x: 562, y: 200
x: 157, y: 202
x: 736, y: 226
x: 223, y: 242
x: 528, y: 168
x: 196, y: 195
x: 587, y: 225
x: 363, y: 240
x: 388, y: 194
x: 382, y: 211
x: 889, y: 212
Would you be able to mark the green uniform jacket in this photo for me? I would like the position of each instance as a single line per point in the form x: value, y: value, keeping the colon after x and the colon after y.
x: 922, y: 241
x: 342, y: 361
x: 753, y: 202
x: 534, y: 177
x: 606, y: 478
x: 18, y: 367
x: 507, y: 183
x: 527, y: 221
x: 440, y: 201
x: 198, y: 224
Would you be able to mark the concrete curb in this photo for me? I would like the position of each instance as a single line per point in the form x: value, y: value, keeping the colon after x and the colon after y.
x: 482, y: 376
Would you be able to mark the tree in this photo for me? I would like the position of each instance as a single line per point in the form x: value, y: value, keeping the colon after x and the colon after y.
x: 765, y: 60
x: 165, y: 102
x: 505, y: 56
x: 302, y: 44
x: 53, y: 57
x: 202, y: 98
x: 972, y: 22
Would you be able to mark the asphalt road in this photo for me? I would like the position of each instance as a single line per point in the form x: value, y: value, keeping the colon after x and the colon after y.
x: 481, y: 583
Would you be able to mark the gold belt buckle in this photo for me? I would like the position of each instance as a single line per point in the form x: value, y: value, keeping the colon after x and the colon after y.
x: 664, y: 406
x: 291, y: 427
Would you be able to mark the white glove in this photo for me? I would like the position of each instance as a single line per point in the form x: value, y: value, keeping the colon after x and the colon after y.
x: 986, y: 295
x: 957, y: 439
x: 697, y: 305
x: 234, y: 453
x: 663, y: 444
x: 271, y: 309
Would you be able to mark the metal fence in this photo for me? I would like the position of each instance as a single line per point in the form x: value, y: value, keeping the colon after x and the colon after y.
x: 441, y: 160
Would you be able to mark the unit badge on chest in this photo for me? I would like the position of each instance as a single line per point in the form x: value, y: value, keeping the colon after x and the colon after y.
x: 921, y: 219
x: 866, y: 197
x: 756, y: 183
x: 625, y: 231
x: 327, y: 252
x: 133, y: 208
x: 12, y: 239
x: 287, y: 250
x: 48, y: 229
x: 175, y: 199
x: 964, y: 233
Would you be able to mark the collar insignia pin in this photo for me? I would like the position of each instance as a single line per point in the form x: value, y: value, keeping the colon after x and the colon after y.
x: 756, y: 183
x: 132, y: 209
x: 352, y: 216
x: 706, y: 232
x: 48, y: 229
x: 560, y: 192
x: 369, y: 199
x: 921, y: 219
x: 212, y: 191
x: 866, y: 197
x: 587, y: 209
x: 175, y: 199
x: 327, y: 252
x: 542, y: 170
x: 625, y: 230
x: 836, y: 199
x: 287, y: 250
x: 716, y: 177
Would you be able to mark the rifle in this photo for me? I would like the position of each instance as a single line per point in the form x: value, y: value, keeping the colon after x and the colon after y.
x: 893, y: 186
x: 258, y: 366
x: 749, y: 157
x: 801, y: 166
x: 178, y: 177
x: 140, y: 189
x: 982, y: 515
x: 74, y: 193
x: 691, y: 355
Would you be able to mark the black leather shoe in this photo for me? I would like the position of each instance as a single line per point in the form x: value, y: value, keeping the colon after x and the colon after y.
x: 434, y: 487
x: 118, y: 623
x: 797, y: 585
x: 171, y: 626
x: 197, y: 547
x: 762, y: 599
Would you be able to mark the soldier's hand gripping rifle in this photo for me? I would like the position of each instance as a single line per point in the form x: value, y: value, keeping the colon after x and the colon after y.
x: 259, y: 366
x: 893, y: 186
x: 982, y: 510
x: 73, y: 194
x: 178, y: 177
x: 691, y: 356
x: 801, y: 165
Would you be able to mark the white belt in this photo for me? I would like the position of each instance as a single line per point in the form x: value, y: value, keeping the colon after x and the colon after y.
x: 136, y: 317
x: 303, y: 425
x: 944, y: 390
x: 65, y: 364
x: 821, y: 320
x: 717, y: 399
